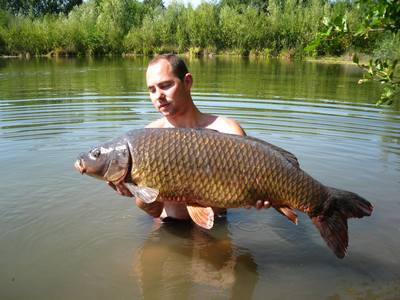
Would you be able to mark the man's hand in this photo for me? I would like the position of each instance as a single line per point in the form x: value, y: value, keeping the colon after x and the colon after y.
x: 263, y: 204
x: 260, y: 204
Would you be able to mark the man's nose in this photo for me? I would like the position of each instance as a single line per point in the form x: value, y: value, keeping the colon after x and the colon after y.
x: 160, y: 94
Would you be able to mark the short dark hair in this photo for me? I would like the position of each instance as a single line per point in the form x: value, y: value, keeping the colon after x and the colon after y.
x: 178, y: 65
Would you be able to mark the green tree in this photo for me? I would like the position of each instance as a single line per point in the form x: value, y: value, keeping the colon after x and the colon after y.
x: 259, y: 5
x: 203, y: 26
x: 80, y: 32
x: 39, y: 7
x: 115, y: 19
x: 153, y: 4
x: 243, y: 31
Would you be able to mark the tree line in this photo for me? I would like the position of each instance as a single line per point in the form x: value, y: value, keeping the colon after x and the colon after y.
x: 242, y: 27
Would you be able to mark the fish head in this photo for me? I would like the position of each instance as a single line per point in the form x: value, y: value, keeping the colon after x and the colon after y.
x: 109, y: 161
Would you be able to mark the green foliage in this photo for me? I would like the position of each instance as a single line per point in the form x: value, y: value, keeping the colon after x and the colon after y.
x: 380, y: 23
x: 294, y: 24
x: 334, y: 37
x: 245, y: 31
x: 115, y: 26
x: 153, y: 4
x: 81, y: 35
x: 380, y: 14
x: 114, y: 20
x: 259, y: 5
x: 38, y: 7
x: 24, y: 35
x: 156, y: 33
x: 2, y: 41
x: 202, y: 24
x: 388, y: 46
x: 383, y: 71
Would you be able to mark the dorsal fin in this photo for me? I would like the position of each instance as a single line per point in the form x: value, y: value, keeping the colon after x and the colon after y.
x: 290, y: 157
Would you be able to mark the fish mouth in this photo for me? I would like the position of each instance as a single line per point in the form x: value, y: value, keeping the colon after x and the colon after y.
x: 80, y: 166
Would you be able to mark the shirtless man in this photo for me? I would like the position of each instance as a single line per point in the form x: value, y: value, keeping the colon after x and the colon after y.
x: 169, y: 84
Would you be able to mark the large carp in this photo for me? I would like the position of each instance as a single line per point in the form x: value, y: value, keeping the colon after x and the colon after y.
x: 204, y: 168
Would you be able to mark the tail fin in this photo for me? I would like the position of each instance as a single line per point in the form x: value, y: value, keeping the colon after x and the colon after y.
x: 332, y: 222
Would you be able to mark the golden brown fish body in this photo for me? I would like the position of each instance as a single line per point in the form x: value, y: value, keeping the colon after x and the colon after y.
x: 219, y: 170
x: 204, y: 168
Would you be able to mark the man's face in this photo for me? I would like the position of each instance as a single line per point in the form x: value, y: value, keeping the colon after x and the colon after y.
x: 168, y: 93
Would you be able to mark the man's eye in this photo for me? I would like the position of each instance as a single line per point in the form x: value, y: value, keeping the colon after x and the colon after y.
x: 166, y: 86
x: 96, y: 153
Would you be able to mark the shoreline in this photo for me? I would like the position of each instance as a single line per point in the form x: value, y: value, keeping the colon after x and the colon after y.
x: 344, y: 59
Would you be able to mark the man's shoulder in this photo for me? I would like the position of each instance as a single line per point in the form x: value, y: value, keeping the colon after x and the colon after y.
x: 227, y: 125
x: 160, y: 123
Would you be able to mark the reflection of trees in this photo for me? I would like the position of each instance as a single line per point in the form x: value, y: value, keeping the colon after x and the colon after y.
x: 60, y: 78
x: 41, y: 78
x: 284, y: 79
x: 179, y: 257
x: 389, y: 138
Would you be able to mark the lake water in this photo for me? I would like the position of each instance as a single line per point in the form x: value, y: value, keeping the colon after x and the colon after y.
x: 67, y: 236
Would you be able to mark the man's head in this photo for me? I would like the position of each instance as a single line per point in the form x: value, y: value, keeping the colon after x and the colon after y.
x: 169, y: 83
x: 177, y: 64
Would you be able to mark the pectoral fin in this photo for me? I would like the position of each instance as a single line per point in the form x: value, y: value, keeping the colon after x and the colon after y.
x: 202, y: 216
x: 147, y: 194
x: 288, y: 212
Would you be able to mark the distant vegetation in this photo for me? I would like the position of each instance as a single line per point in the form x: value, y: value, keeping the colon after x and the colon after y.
x: 281, y: 28
x: 242, y: 27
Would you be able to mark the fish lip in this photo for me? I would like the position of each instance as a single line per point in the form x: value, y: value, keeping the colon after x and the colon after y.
x: 80, y: 166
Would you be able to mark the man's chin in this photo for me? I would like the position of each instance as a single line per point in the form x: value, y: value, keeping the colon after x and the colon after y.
x: 166, y: 111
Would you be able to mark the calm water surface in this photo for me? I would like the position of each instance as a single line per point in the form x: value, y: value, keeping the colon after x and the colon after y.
x: 64, y: 236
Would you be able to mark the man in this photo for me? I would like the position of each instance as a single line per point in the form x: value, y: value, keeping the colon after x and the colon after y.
x: 169, y: 84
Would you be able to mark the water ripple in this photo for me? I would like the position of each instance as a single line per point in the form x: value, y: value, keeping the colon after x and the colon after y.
x: 60, y: 229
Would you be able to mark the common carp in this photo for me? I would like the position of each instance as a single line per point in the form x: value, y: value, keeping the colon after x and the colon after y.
x: 204, y: 168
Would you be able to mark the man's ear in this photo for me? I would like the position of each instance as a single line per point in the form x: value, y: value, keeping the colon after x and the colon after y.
x: 188, y: 80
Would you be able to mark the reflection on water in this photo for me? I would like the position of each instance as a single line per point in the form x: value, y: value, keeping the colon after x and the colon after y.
x: 70, y: 237
x: 179, y: 259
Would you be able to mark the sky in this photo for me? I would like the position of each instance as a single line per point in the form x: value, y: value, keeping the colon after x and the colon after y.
x: 193, y: 2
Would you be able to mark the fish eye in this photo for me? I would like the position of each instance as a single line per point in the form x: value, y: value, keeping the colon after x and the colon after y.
x: 96, y: 153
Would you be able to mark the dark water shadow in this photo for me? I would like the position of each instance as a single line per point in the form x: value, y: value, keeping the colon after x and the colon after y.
x: 179, y: 258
